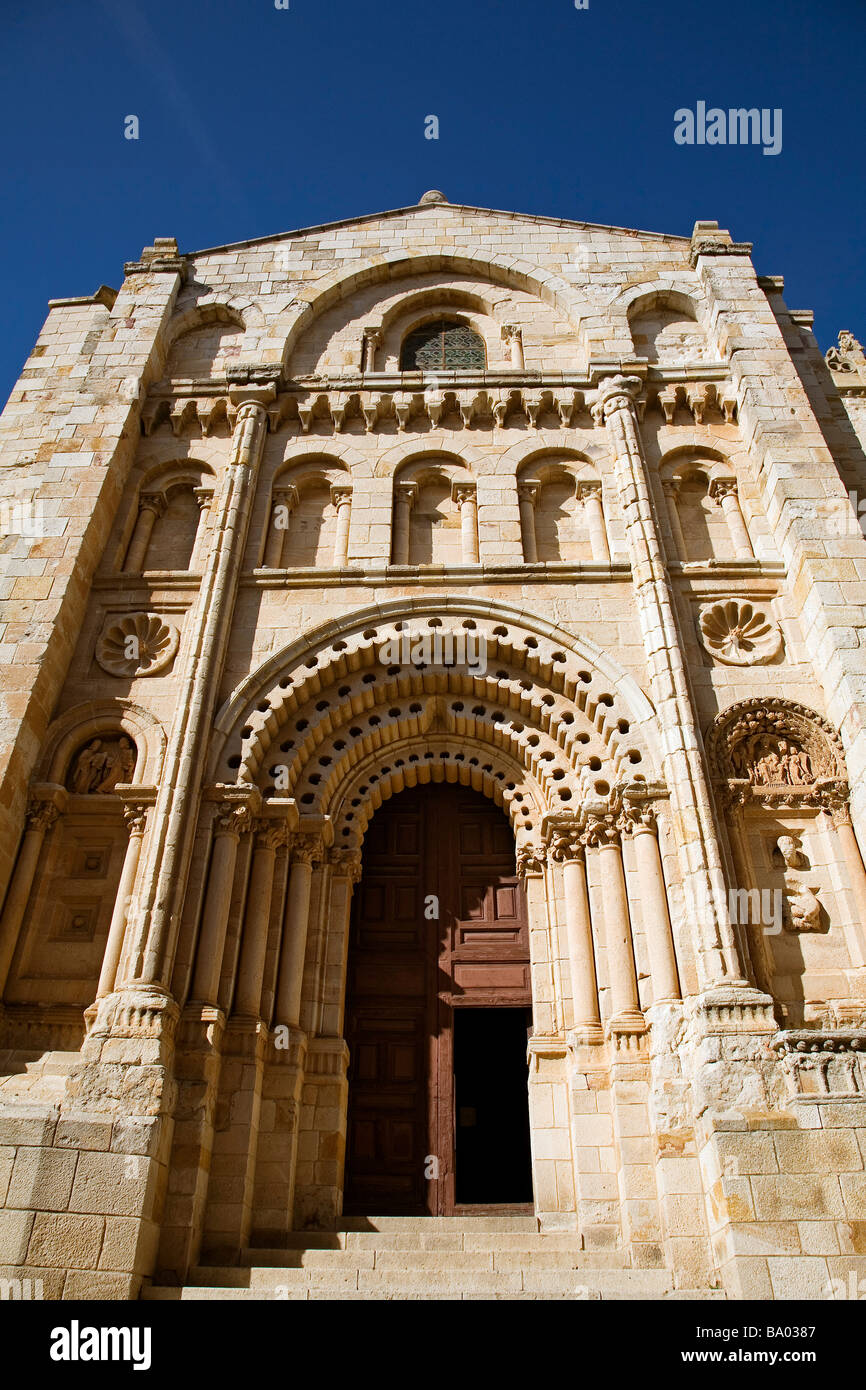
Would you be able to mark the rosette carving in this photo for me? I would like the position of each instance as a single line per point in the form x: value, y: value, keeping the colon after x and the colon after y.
x: 738, y: 634
x: 139, y: 644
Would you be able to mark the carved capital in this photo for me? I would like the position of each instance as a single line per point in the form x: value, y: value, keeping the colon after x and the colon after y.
x: 512, y: 332
x: 616, y: 393
x: 637, y: 818
x: 346, y: 863
x: 269, y: 834
x: 135, y: 816
x: 720, y: 488
x: 152, y: 502
x: 601, y: 831
x: 528, y: 492
x: 308, y: 849
x: 406, y: 494
x: 530, y: 859
x: 41, y: 814
x: 588, y: 490
x: 341, y: 496
x: 463, y: 492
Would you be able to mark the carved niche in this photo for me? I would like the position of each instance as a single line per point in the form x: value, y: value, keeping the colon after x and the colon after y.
x: 139, y: 644
x: 739, y: 634
x: 103, y: 762
x: 777, y: 753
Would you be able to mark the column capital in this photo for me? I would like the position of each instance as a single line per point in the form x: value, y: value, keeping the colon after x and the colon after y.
x: 135, y: 816
x: 601, y: 830
x: 285, y: 496
x: 45, y: 804
x: 720, y: 488
x: 616, y: 393
x: 562, y: 834
x: 345, y: 863
x: 340, y: 496
x: 530, y: 859
x: 235, y: 809
x: 203, y: 497
x: 372, y: 334
x: 152, y: 502
x: 406, y: 492
x: 589, y: 487
x: 528, y: 491
x: 510, y: 331
x: 638, y: 818
x: 462, y: 492
x: 308, y: 849
x: 269, y: 833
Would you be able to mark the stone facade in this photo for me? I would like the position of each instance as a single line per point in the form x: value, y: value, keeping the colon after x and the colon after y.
x: 642, y: 499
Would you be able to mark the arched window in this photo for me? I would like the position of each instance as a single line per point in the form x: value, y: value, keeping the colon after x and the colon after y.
x: 446, y: 345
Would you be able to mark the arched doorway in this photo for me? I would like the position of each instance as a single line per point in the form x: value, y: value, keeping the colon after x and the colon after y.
x: 438, y: 1011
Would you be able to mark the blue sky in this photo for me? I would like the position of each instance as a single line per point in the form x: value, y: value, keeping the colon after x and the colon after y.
x: 255, y: 120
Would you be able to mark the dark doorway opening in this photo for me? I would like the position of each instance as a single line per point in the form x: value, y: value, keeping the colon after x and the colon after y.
x: 493, y: 1164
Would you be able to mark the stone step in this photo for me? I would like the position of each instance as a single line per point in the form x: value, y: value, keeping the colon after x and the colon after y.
x: 288, y: 1266
x: 591, y: 1291
x: 478, y: 1276
x: 348, y: 1243
x: 499, y: 1222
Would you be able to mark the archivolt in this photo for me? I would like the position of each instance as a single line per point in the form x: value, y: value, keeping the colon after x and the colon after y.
x: 553, y: 716
x: 315, y: 299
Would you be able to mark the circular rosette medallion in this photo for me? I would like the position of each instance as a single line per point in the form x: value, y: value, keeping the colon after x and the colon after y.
x: 139, y: 644
x: 739, y: 634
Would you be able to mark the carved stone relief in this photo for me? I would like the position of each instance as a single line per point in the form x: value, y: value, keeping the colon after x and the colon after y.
x: 101, y: 764
x: 739, y: 634
x: 139, y: 644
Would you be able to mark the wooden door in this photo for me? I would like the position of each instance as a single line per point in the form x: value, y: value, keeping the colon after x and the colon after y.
x: 439, y: 923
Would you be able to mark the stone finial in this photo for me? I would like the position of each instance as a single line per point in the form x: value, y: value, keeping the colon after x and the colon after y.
x: 847, y: 356
x: 432, y: 196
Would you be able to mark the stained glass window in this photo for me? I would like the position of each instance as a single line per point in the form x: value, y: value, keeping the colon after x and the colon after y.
x: 445, y: 345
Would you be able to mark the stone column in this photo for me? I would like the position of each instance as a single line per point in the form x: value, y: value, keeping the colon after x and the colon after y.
x: 233, y: 819
x: 267, y: 836
x: 305, y: 850
x: 566, y: 848
x: 527, y: 495
x: 372, y: 341
x: 512, y: 334
x: 341, y: 497
x: 590, y: 495
x: 203, y: 497
x: 405, y: 496
x: 724, y: 491
x: 703, y: 877
x: 135, y: 815
x: 857, y: 879
x: 671, y: 488
x: 46, y: 803
x: 464, y: 495
x: 150, y: 506
x: 639, y: 821
x: 602, y: 833
x: 285, y: 500
x: 155, y: 913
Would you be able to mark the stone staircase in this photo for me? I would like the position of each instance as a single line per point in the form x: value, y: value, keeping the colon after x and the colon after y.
x: 37, y: 1077
x: 445, y: 1257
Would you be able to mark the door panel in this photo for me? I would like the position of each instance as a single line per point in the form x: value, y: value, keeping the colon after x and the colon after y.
x: 409, y: 974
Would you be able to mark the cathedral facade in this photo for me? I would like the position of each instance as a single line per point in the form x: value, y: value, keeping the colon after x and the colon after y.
x: 434, y: 735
